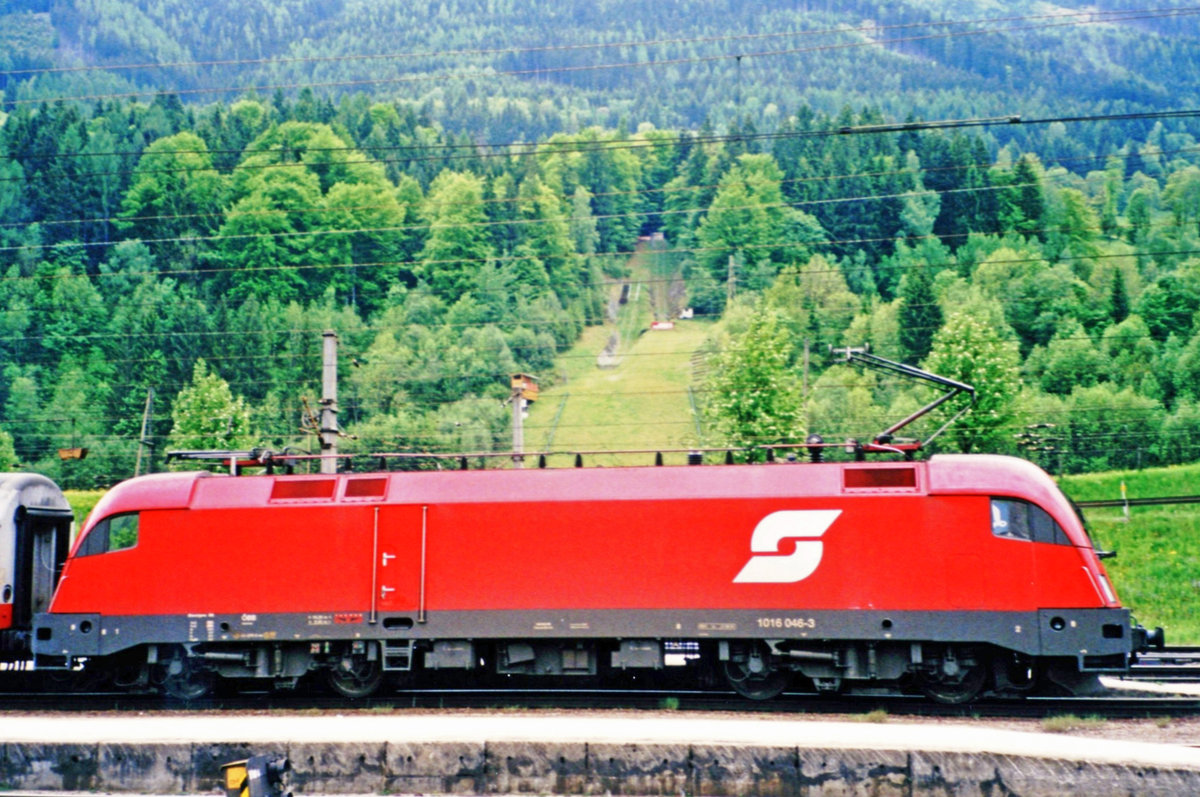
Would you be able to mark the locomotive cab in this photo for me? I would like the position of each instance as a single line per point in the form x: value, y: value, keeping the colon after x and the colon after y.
x: 35, y: 531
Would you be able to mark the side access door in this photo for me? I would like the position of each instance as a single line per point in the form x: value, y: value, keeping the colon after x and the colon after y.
x: 399, y: 587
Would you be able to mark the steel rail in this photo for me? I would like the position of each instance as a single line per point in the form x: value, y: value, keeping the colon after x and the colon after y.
x: 1179, y: 664
x: 1119, y: 502
x: 1117, y: 706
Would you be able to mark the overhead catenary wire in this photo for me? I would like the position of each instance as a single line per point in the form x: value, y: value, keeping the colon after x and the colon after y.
x: 461, y: 375
x: 193, y: 239
x: 1122, y: 339
x: 878, y: 414
x: 834, y: 269
x: 798, y: 204
x: 1077, y: 443
x: 513, y: 222
x: 628, y: 253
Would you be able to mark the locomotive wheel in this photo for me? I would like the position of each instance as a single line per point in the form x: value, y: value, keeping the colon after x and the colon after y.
x: 1016, y: 674
x: 961, y: 685
x: 754, y: 679
x: 355, y: 677
x: 189, y: 683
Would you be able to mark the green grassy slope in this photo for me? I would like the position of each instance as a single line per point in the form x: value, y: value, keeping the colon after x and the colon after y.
x: 642, y: 403
x: 82, y: 502
x: 625, y: 386
x: 1157, y: 568
x: 639, y: 401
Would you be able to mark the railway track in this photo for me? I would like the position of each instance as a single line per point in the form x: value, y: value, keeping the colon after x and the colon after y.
x: 1119, y: 706
x: 1178, y: 665
x: 1173, y: 664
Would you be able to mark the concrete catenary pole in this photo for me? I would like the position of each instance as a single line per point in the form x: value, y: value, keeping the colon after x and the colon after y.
x: 518, y: 428
x: 329, y: 407
x: 137, y: 466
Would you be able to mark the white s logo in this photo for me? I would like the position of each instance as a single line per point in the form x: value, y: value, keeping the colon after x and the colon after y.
x: 805, y: 525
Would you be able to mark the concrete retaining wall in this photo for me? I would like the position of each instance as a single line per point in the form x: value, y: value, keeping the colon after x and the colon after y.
x: 576, y: 769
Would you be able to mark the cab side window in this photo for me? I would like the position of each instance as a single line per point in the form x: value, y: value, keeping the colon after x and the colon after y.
x: 1021, y: 520
x: 1010, y: 519
x: 115, y: 533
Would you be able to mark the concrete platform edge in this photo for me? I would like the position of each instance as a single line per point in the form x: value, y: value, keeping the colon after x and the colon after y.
x: 574, y: 768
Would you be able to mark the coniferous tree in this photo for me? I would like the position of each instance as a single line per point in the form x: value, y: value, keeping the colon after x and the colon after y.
x: 920, y: 314
x: 1028, y: 201
x: 1118, y: 298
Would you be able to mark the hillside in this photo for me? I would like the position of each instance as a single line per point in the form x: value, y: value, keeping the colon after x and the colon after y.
x: 215, y: 185
x: 626, y: 386
x: 508, y: 71
x: 1158, y: 547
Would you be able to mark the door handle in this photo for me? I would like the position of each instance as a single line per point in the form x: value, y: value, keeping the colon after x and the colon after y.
x: 387, y: 557
x: 383, y: 591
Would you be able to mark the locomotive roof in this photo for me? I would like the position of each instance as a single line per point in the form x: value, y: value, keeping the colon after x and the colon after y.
x: 943, y: 474
x: 992, y: 474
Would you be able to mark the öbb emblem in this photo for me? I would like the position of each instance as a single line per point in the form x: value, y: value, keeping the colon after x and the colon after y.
x: 768, y: 565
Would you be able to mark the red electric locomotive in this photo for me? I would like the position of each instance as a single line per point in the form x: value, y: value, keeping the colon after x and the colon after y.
x: 957, y: 575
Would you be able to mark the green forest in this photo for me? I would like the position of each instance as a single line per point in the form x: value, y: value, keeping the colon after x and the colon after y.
x: 502, y: 70
x: 174, y: 251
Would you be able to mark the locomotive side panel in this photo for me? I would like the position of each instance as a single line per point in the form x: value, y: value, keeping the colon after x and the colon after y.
x: 829, y: 570
x: 1064, y: 579
x: 863, y: 553
x: 841, y: 554
x: 260, y: 560
x: 399, y: 578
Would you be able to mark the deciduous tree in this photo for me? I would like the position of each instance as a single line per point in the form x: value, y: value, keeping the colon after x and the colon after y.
x: 753, y: 395
x: 458, y: 245
x: 207, y: 416
x: 970, y: 350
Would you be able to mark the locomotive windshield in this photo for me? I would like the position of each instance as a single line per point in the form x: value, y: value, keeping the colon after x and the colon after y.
x: 115, y: 533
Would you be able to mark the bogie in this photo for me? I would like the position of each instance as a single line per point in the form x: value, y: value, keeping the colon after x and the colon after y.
x: 355, y: 676
x: 755, y: 669
x: 753, y: 672
x: 185, y: 678
x: 955, y: 675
